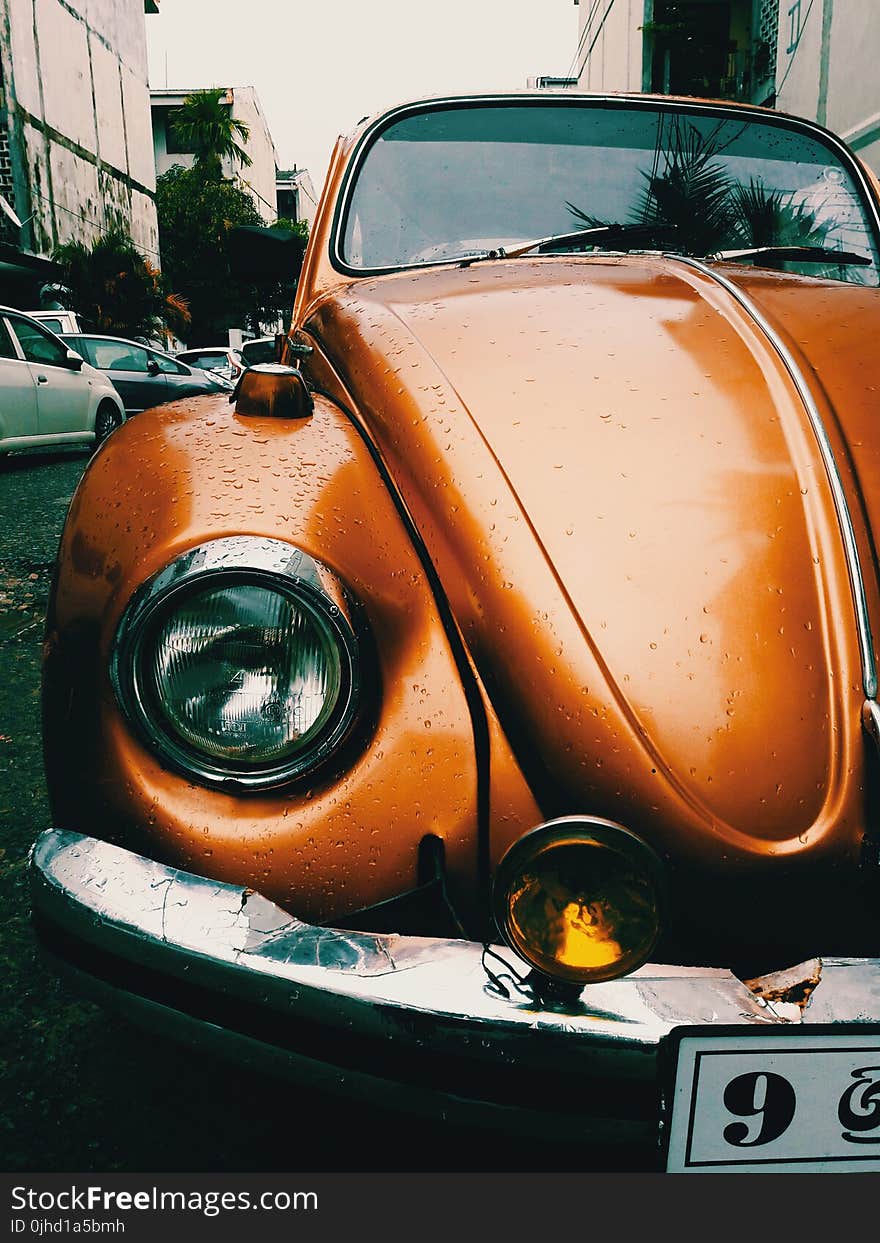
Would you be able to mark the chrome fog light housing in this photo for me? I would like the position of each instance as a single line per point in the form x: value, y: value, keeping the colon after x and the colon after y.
x: 580, y: 899
x: 238, y: 663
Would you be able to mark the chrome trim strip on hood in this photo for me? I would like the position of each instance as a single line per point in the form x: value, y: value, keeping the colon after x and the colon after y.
x: 856, y: 578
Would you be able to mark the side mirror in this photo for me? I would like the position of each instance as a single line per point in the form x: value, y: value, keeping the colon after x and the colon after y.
x: 271, y: 390
x: 73, y: 360
x: 153, y: 367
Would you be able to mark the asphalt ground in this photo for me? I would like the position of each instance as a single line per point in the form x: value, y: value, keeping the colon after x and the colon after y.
x: 83, y: 1091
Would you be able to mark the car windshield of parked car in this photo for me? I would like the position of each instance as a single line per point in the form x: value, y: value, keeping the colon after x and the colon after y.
x: 206, y: 360
x: 457, y: 180
x: 168, y: 365
x: 55, y: 324
x: 258, y: 351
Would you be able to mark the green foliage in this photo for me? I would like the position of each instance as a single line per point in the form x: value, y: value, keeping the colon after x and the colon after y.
x: 114, y: 289
x: 196, y: 214
x: 299, y: 228
x: 693, y: 193
x: 197, y: 209
x: 768, y: 217
x: 691, y: 197
x: 206, y: 126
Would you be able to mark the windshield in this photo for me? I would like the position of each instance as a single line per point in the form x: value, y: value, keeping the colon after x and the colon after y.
x: 450, y: 181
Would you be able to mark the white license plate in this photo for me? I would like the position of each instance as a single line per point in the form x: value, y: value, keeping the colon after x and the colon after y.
x: 765, y: 1100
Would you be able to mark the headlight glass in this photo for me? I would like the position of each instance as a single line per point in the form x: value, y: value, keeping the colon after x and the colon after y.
x: 238, y: 663
x: 244, y: 673
x: 580, y: 899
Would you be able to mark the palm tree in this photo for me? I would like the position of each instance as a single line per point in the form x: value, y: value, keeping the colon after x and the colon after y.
x: 690, y: 194
x: 204, y: 123
x: 115, y: 289
x: 772, y: 218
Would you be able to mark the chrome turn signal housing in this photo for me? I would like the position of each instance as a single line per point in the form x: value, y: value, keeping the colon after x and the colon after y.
x: 272, y: 390
x: 580, y: 899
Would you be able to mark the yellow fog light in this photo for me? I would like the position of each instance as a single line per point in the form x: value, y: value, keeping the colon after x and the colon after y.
x: 580, y: 899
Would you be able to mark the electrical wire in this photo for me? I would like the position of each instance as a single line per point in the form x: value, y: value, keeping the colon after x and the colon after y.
x: 79, y: 216
x: 595, y: 38
x: 519, y: 983
x: 794, y: 50
x: 306, y: 193
x: 257, y: 194
x: 588, y: 21
x: 104, y: 230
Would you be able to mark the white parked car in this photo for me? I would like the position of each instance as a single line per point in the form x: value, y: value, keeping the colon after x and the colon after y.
x: 259, y: 350
x: 220, y: 359
x: 58, y: 320
x: 49, y: 395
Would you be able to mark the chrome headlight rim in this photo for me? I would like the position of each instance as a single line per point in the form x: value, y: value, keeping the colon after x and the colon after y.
x: 551, y: 833
x: 239, y: 561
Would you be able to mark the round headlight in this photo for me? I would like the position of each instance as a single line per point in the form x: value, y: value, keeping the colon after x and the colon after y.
x: 237, y: 664
x: 580, y: 899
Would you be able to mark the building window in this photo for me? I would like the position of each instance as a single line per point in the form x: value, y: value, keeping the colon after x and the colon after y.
x: 287, y: 204
x: 173, y: 145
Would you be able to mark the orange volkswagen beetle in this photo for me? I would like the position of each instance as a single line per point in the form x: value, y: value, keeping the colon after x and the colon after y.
x: 479, y: 706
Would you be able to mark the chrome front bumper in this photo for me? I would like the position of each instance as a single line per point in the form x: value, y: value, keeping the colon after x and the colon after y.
x: 410, y: 1019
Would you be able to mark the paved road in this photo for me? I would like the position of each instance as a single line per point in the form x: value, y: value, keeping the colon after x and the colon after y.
x: 79, y: 1090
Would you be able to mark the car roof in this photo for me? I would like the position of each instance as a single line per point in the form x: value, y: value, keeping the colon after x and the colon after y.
x: 537, y: 95
x: 106, y: 336
x: 16, y: 310
x: 103, y: 336
x: 207, y: 349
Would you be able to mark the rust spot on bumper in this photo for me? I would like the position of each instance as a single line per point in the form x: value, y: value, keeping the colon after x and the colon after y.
x: 793, y: 986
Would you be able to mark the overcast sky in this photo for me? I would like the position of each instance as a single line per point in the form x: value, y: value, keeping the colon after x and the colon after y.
x: 319, y: 67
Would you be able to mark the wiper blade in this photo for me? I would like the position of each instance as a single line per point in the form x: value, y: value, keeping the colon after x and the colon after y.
x: 796, y: 254
x: 627, y: 235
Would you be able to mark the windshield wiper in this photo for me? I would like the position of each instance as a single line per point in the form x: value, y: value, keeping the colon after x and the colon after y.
x: 625, y: 237
x: 795, y: 254
x: 630, y: 236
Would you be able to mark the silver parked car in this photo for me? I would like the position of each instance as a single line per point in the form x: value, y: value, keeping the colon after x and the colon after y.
x: 143, y: 376
x: 48, y: 394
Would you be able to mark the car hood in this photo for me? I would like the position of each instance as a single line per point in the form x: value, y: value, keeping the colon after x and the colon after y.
x: 628, y: 508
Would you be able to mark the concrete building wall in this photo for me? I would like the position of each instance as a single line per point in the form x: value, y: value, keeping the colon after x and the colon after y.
x: 610, y: 47
x: 827, y: 69
x: 77, y: 116
x: 259, y: 178
x: 307, y: 198
x: 798, y: 57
